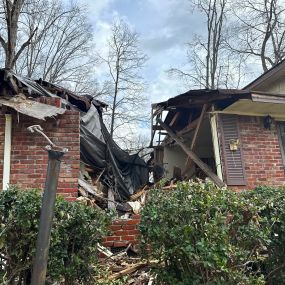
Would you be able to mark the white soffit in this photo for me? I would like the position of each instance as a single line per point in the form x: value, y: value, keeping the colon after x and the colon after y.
x: 247, y: 107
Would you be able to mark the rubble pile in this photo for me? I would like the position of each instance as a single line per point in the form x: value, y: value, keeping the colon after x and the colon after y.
x: 128, y: 266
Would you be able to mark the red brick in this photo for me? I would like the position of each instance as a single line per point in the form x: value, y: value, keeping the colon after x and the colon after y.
x: 113, y: 238
x: 133, y: 222
x: 129, y: 227
x: 116, y: 227
x: 136, y: 217
x: 121, y: 243
x: 108, y: 243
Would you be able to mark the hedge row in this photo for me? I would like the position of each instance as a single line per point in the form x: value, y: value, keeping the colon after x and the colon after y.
x: 73, y: 253
x: 203, y: 234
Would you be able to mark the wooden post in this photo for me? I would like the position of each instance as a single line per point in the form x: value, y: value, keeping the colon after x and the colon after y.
x: 204, y: 167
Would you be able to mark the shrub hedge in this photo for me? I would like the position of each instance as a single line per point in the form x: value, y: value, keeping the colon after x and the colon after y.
x: 203, y: 234
x: 76, y: 231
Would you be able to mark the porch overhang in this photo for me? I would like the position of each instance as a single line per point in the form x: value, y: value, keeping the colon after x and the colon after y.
x: 247, y: 107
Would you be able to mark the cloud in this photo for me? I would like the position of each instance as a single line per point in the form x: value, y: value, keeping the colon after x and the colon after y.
x: 97, y: 8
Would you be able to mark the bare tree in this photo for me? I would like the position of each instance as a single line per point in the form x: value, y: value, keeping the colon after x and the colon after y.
x: 53, y: 40
x: 260, y: 31
x: 125, y: 84
x: 210, y: 64
x: 10, y: 12
x: 204, y: 52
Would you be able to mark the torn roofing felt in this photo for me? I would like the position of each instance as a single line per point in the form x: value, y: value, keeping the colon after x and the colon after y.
x: 98, y: 149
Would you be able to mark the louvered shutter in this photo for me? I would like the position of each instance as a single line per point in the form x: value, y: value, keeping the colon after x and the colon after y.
x: 281, y: 133
x: 233, y: 163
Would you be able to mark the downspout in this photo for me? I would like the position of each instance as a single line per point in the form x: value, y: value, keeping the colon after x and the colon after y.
x: 7, y: 151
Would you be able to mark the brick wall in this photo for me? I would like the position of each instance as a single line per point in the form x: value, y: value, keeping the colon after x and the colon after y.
x: 123, y: 232
x: 261, y: 153
x: 29, y: 159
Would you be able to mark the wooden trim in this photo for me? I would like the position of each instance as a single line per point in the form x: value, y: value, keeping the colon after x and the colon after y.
x: 266, y: 75
x: 240, y: 113
x: 204, y: 167
x: 216, y: 145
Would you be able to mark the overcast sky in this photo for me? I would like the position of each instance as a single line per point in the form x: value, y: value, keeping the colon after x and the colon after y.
x: 165, y: 26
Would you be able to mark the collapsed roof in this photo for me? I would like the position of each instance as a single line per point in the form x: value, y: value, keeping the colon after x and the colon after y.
x: 124, y: 172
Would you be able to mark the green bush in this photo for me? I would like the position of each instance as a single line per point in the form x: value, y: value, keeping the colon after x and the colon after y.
x: 203, y: 234
x: 271, y: 202
x: 76, y: 231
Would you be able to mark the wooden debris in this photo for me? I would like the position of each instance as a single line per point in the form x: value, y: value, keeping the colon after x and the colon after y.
x: 87, y: 187
x: 128, y: 270
x: 104, y: 250
x: 138, y: 194
x: 111, y: 199
x: 203, y: 166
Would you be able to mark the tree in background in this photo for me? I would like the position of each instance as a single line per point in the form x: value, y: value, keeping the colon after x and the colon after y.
x: 237, y: 35
x: 259, y: 31
x: 124, y: 85
x: 48, y: 39
x: 210, y: 63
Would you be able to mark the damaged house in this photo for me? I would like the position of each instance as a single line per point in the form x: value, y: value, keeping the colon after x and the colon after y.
x: 70, y: 121
x: 234, y: 137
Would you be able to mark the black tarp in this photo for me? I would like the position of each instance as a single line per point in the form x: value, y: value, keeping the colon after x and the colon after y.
x: 127, y: 173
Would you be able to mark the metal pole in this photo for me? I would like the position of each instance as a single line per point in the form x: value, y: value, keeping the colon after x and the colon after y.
x: 47, y: 212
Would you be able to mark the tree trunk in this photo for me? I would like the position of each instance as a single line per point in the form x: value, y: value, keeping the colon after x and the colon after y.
x: 115, y: 98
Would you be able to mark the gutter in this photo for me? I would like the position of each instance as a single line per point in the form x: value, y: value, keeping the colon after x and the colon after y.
x: 7, y: 151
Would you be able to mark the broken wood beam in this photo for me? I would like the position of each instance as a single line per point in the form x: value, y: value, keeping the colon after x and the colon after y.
x: 189, y: 128
x: 128, y: 270
x: 194, y: 140
x: 204, y: 167
x: 174, y: 119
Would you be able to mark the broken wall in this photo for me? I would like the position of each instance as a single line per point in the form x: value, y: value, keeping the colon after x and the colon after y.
x: 175, y: 156
x: 29, y: 159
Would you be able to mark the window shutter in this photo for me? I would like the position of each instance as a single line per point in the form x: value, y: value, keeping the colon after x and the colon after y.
x: 281, y: 136
x: 233, y: 160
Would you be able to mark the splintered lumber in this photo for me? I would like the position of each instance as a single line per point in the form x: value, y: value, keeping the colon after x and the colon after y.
x: 138, y: 194
x: 204, y: 167
x: 104, y: 250
x: 129, y: 270
x: 88, y: 188
x: 111, y: 199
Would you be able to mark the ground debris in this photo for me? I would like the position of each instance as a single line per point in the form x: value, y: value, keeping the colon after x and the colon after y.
x: 133, y: 269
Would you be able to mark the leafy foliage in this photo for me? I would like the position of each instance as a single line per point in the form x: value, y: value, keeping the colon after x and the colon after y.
x: 76, y: 231
x: 206, y: 235
x: 271, y: 201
